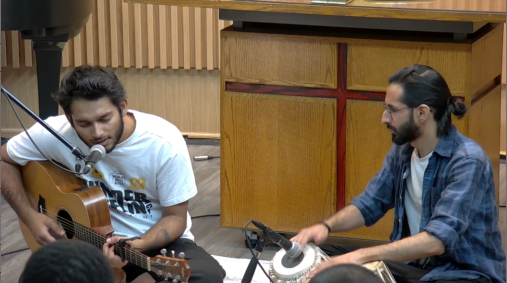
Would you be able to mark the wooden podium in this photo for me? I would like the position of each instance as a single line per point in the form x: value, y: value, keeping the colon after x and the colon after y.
x: 302, y: 90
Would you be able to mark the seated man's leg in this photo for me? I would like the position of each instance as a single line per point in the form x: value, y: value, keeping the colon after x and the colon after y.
x: 203, y: 267
x: 402, y: 273
x: 346, y: 273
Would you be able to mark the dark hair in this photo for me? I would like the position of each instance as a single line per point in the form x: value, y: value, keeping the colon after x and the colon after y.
x: 423, y: 85
x: 89, y: 83
x: 346, y: 273
x: 67, y: 261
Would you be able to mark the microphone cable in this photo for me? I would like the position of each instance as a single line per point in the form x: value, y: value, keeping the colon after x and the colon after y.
x: 22, y: 125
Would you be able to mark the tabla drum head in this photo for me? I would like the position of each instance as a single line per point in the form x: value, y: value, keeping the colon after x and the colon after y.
x: 282, y: 271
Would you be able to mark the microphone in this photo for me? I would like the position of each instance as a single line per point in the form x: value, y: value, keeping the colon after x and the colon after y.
x: 293, y: 249
x: 97, y: 152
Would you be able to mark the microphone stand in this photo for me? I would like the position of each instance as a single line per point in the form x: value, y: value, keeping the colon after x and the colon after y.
x: 75, y: 150
x: 252, y: 266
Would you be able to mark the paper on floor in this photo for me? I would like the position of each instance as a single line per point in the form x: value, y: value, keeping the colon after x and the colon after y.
x: 236, y: 267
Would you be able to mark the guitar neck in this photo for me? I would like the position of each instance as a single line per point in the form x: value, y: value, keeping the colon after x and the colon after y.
x: 86, y: 234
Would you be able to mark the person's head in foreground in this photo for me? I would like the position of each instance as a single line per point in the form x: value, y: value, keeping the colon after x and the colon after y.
x: 346, y: 273
x: 67, y: 261
x: 419, y: 105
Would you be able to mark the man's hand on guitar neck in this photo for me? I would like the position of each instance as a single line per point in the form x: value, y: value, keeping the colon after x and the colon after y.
x: 115, y: 260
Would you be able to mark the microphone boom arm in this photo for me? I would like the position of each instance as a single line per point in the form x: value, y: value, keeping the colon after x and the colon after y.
x: 75, y: 150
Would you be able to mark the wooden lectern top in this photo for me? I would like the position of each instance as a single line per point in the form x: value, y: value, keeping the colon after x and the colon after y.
x: 491, y: 11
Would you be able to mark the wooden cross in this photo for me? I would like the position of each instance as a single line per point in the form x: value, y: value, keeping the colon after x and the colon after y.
x: 341, y: 94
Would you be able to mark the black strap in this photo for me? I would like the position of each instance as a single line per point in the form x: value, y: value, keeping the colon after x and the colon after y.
x: 122, y: 246
x: 327, y: 226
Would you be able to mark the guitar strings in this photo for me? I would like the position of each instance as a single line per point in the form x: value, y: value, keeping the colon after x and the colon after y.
x: 95, y: 237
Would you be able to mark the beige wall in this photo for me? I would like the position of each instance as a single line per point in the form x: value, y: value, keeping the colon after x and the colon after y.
x: 167, y: 57
x: 172, y: 51
x: 187, y: 98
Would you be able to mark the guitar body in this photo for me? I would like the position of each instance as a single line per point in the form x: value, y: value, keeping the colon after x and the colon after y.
x: 58, y: 193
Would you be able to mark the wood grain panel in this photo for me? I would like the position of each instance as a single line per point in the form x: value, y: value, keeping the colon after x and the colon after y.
x: 209, y: 38
x: 504, y: 58
x: 15, y: 49
x: 163, y: 36
x: 367, y: 144
x: 186, y: 37
x: 451, y: 63
x: 101, y: 15
x: 151, y: 36
x: 484, y: 128
x: 91, y: 38
x: 187, y: 98
x: 4, y: 49
x: 289, y: 61
x: 486, y: 63
x: 28, y: 53
x: 78, y: 47
x: 446, y: 10
x: 503, y: 128
x: 123, y: 35
x: 113, y: 17
x: 138, y: 35
x: 286, y: 144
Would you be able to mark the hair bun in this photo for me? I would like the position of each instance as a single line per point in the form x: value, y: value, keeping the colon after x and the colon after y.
x: 456, y: 106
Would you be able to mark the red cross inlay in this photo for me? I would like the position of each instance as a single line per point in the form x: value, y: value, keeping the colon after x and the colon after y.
x: 341, y: 93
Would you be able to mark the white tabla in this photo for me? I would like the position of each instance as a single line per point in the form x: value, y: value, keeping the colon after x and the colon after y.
x: 313, y: 256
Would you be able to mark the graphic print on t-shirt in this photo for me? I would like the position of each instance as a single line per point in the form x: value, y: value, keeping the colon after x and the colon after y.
x: 129, y: 202
x: 138, y: 183
x: 97, y: 174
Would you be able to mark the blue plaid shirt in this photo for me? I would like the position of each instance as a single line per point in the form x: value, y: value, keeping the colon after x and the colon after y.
x: 458, y: 207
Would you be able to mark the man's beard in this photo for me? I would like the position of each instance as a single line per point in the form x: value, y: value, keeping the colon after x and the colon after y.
x: 117, y: 136
x: 115, y: 139
x: 408, y: 132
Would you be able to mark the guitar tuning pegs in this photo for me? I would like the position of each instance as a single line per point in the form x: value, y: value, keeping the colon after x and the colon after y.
x: 181, y: 255
x: 169, y: 275
x: 172, y: 253
x: 163, y: 251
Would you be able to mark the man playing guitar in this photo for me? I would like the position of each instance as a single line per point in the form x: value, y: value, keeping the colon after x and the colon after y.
x: 146, y: 174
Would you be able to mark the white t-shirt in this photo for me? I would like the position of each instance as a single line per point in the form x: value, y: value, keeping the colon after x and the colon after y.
x: 413, y: 196
x: 150, y: 169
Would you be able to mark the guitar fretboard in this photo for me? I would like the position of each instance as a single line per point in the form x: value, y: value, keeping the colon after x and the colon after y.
x: 86, y: 234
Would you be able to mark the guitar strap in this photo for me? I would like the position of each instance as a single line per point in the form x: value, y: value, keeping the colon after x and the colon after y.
x: 122, y: 246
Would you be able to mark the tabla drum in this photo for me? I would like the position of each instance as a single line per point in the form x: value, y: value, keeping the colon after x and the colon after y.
x: 284, y: 269
x: 380, y: 269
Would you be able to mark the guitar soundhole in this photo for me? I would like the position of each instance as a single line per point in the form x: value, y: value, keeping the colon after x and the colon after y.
x: 66, y: 222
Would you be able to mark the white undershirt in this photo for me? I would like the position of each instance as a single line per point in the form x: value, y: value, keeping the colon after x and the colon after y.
x: 413, y: 196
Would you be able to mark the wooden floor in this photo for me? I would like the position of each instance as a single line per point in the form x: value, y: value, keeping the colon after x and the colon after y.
x: 208, y: 233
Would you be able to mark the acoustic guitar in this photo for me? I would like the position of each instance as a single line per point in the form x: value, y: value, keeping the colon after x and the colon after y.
x: 83, y: 213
